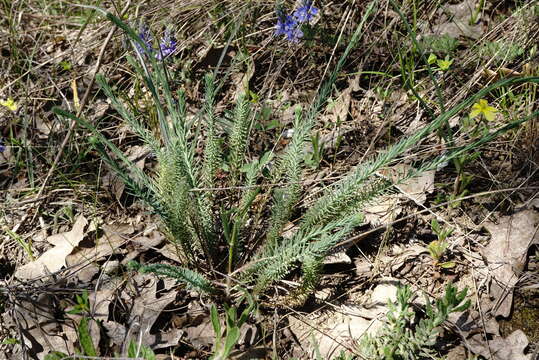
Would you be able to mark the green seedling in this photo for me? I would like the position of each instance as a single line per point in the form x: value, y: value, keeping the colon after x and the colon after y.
x: 438, y: 247
x: 25, y: 245
x: 443, y: 64
x: 85, y: 342
x: 224, y: 345
x: 10, y: 341
x: 181, y: 190
x: 10, y: 104
x: 140, y: 351
x: 443, y: 45
x: 83, y: 304
x: 65, y: 65
x: 315, y: 158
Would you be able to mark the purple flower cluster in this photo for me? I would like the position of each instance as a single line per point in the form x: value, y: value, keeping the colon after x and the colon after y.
x: 167, y: 45
x: 289, y: 25
x: 145, y: 36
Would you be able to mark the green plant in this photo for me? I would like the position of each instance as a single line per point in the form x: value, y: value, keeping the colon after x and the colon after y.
x: 233, y: 323
x: 443, y: 64
x: 442, y: 45
x: 314, y: 158
x: 500, y: 51
x: 83, y: 304
x: 399, y: 338
x: 88, y: 350
x: 207, y: 227
x: 139, y: 351
x: 475, y: 14
x: 182, y: 192
x: 25, y: 245
x: 87, y: 347
x: 437, y: 247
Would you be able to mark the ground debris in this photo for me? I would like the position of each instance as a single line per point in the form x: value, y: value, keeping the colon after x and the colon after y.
x: 506, y: 254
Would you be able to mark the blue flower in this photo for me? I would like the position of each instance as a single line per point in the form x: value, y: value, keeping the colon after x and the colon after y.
x: 2, y: 147
x: 146, y: 37
x: 167, y: 46
x: 287, y: 25
x: 290, y: 25
x: 305, y: 13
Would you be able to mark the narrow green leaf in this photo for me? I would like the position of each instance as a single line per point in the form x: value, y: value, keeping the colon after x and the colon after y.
x: 232, y: 336
x: 85, y: 339
x: 214, y: 315
x: 56, y: 355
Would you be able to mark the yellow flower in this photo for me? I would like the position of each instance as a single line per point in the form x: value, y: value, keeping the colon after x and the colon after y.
x: 482, y: 107
x: 9, y: 103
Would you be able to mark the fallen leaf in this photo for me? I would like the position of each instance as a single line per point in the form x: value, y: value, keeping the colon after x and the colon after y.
x: 512, y: 347
x: 113, y: 237
x: 506, y: 254
x: 202, y: 335
x: 338, y: 109
x: 112, y: 182
x: 170, y: 251
x: 472, y: 322
x: 54, y: 259
x: 417, y: 187
x: 37, y: 323
x: 457, y: 353
x: 341, y: 328
x: 383, y: 212
x: 118, y: 334
x: 459, y: 21
x: 458, y: 28
x: 151, y: 299
x: 462, y: 10
x: 337, y: 258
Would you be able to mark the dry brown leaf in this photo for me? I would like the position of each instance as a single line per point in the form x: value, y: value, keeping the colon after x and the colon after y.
x: 417, y: 187
x: 150, y: 240
x: 472, y: 322
x: 506, y: 254
x: 338, y: 109
x: 149, y: 304
x: 383, y: 212
x: 118, y: 334
x: 337, y: 113
x: 170, y: 251
x: 400, y: 255
x: 328, y: 332
x: 458, y: 28
x: 113, y: 237
x: 37, y: 322
x: 202, y: 335
x: 54, y: 259
x: 512, y: 347
x: 337, y: 258
x: 457, y: 353
x: 241, y: 80
x: 456, y: 19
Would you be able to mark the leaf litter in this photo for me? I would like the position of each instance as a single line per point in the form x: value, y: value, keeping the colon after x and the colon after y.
x: 54, y: 259
x: 506, y: 254
x: 116, y: 239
